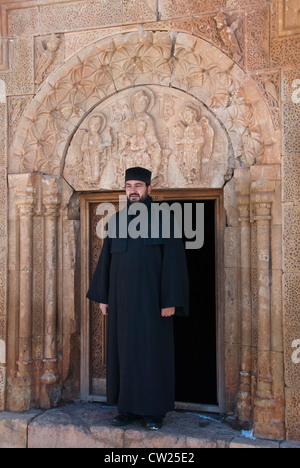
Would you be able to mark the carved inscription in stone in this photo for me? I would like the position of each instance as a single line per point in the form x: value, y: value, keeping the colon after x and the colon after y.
x: 162, y: 129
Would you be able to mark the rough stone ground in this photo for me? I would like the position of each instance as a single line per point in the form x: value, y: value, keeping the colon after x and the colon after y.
x: 88, y: 425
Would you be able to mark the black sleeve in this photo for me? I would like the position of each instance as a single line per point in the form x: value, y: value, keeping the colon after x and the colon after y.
x: 99, y: 288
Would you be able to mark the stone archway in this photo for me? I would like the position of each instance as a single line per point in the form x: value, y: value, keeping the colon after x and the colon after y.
x: 228, y: 112
x: 107, y: 67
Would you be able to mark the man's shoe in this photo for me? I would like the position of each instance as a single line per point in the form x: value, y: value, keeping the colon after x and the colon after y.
x: 121, y: 421
x: 153, y: 424
x: 125, y: 419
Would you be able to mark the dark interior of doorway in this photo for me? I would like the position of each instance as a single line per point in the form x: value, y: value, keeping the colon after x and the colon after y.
x: 196, y: 336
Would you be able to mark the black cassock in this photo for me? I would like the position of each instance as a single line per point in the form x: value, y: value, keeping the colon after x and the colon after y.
x: 137, y: 278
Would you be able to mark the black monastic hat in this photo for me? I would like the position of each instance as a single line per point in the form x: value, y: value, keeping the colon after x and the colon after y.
x: 138, y: 173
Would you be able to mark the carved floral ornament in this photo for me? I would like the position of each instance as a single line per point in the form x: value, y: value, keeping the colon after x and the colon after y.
x: 164, y: 65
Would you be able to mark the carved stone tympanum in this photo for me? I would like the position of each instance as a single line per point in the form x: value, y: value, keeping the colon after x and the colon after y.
x: 155, y: 127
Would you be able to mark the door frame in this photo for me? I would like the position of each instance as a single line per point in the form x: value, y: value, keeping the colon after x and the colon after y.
x: 220, y: 224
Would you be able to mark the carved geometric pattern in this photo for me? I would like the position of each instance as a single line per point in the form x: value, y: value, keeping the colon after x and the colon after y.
x: 258, y: 38
x: 291, y: 178
x: 291, y: 230
x: 291, y: 290
x: 292, y: 412
x: 291, y: 113
x: 136, y: 10
x: 125, y: 61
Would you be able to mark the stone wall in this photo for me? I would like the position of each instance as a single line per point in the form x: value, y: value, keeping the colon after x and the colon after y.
x: 248, y: 78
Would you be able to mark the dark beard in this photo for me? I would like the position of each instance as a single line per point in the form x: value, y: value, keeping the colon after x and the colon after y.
x: 140, y: 199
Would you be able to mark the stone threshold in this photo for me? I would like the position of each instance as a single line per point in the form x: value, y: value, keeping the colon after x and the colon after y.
x: 88, y: 425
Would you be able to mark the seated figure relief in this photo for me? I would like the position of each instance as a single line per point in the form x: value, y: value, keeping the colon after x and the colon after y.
x: 138, y: 141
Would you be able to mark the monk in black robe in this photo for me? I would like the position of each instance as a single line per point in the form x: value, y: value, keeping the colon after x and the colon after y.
x: 140, y: 284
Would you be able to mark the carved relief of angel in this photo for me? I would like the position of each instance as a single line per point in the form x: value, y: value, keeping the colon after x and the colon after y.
x: 228, y: 37
x: 47, y: 58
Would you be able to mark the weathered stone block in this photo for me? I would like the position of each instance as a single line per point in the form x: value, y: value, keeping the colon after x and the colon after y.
x: 13, y: 428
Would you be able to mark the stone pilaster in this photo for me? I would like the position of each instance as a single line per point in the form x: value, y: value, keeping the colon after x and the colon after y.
x: 266, y: 217
x: 244, y: 407
x: 51, y: 201
x: 21, y: 380
x: 263, y: 402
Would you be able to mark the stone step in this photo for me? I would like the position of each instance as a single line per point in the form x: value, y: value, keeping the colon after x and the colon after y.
x: 88, y: 425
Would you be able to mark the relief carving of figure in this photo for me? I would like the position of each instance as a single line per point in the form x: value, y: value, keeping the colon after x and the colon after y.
x: 95, y: 145
x: 47, y: 58
x: 194, y: 138
x: 138, y: 141
x: 228, y: 37
x: 208, y: 139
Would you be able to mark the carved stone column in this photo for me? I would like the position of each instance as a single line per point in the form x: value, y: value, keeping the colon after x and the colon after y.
x: 24, y: 199
x: 242, y: 188
x: 263, y: 402
x: 51, y: 201
x: 244, y: 394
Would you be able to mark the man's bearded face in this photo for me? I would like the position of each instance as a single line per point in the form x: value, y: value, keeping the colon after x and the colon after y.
x: 137, y: 191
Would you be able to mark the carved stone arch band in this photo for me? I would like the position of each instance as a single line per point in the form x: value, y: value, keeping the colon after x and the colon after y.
x: 110, y: 66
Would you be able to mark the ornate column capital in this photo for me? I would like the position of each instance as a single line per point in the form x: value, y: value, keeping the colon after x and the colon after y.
x: 263, y: 212
x: 262, y: 204
x: 24, y: 190
x: 51, y: 196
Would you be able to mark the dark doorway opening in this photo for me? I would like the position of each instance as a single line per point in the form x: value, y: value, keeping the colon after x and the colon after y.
x: 196, y: 336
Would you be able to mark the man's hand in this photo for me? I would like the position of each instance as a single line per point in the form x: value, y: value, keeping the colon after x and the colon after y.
x: 104, y: 309
x: 168, y: 312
